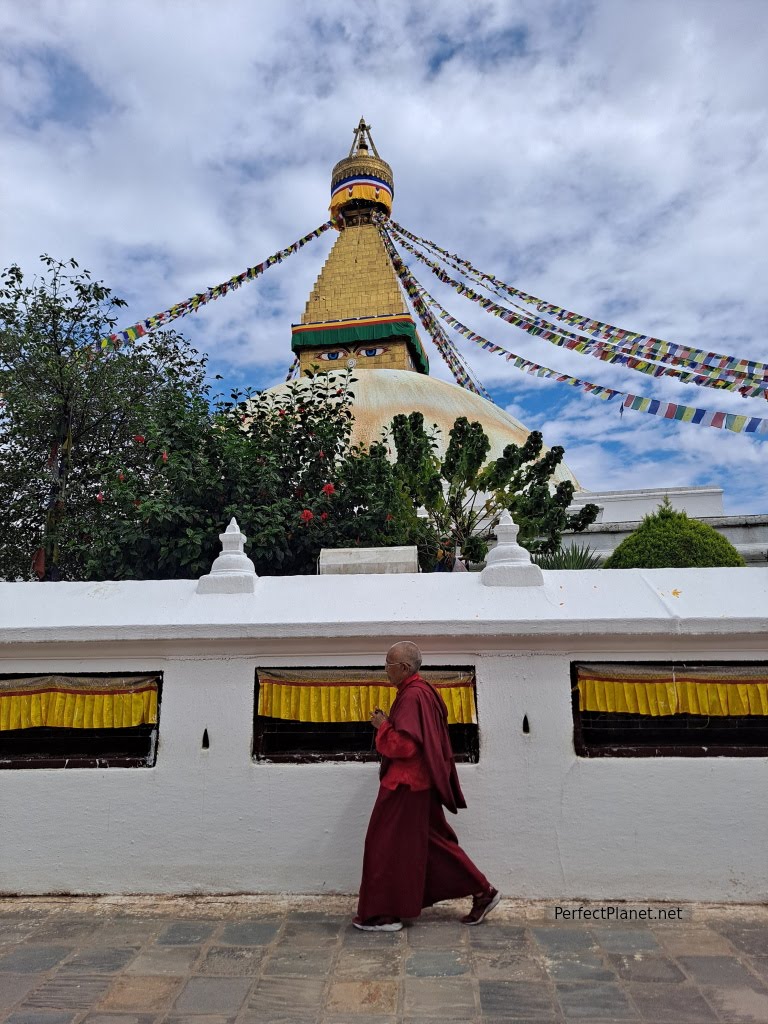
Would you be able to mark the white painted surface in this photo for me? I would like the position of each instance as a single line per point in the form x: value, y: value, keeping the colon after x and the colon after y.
x: 508, y: 564
x: 748, y: 534
x: 354, y: 561
x: 626, y: 506
x: 232, y: 571
x: 541, y: 822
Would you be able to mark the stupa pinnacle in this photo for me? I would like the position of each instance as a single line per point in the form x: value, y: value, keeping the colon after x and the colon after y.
x: 362, y: 182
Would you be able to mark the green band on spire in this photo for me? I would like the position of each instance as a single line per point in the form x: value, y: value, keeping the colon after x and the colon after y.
x: 347, y: 332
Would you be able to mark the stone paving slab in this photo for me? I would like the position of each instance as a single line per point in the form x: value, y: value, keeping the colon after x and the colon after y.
x: 521, y: 999
x: 13, y: 988
x: 249, y: 933
x: 236, y: 961
x: 59, y: 993
x: 136, y: 992
x: 120, y: 1018
x: 297, y: 960
x: 437, y: 963
x: 213, y: 995
x: 672, y: 1004
x: 26, y: 1016
x: 368, y: 964
x: 176, y: 961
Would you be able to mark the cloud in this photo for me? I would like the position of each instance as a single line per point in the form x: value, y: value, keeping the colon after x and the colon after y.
x: 609, y: 156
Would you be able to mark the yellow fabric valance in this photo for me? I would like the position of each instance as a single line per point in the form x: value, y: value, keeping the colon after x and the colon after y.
x: 325, y: 695
x: 80, y: 702
x: 674, y: 690
x: 373, y: 192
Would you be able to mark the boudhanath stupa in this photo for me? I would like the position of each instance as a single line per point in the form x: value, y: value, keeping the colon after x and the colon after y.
x: 212, y: 736
x: 358, y: 317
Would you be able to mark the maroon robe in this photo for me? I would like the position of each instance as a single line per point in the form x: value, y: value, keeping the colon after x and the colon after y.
x: 412, y: 856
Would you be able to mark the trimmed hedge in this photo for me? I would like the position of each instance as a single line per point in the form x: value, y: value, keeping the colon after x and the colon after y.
x: 669, y: 539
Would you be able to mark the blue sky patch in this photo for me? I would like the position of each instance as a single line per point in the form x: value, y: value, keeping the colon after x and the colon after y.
x: 71, y: 97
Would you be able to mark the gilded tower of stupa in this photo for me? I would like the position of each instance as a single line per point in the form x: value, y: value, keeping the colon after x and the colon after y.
x: 356, y: 313
x: 357, y: 317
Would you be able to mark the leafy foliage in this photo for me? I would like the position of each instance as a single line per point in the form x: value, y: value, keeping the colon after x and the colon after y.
x: 114, y: 464
x: 67, y: 405
x: 463, y: 496
x: 577, y: 556
x: 281, y: 464
x: 669, y: 539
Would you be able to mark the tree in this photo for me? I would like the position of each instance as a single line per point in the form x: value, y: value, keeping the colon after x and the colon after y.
x: 69, y: 404
x: 669, y: 539
x: 464, y: 496
x: 281, y: 464
x: 114, y: 463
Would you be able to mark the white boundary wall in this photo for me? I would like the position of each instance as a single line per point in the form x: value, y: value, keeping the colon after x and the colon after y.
x: 541, y: 823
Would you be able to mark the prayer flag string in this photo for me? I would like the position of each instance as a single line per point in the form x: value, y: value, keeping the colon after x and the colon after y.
x: 637, y: 403
x: 605, y: 352
x: 462, y: 373
x: 293, y: 370
x: 112, y: 342
x: 639, y: 344
x: 747, y: 385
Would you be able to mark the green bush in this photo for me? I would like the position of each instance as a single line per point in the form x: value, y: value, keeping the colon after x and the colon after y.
x: 669, y: 539
x: 578, y: 556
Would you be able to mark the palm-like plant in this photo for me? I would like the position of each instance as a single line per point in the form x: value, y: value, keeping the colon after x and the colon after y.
x: 578, y: 556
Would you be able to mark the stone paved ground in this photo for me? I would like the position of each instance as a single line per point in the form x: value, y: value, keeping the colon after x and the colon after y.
x: 245, y: 960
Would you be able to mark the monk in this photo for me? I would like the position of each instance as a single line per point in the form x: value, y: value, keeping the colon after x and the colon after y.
x: 412, y: 857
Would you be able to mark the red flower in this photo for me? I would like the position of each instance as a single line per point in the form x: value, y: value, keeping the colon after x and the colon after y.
x: 389, y: 517
x: 328, y: 489
x: 307, y: 516
x: 121, y: 476
x: 281, y: 412
x: 139, y: 438
x: 165, y: 456
x: 324, y: 516
x: 321, y: 454
x: 100, y: 497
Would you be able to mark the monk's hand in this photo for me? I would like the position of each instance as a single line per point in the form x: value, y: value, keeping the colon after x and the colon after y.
x: 378, y: 718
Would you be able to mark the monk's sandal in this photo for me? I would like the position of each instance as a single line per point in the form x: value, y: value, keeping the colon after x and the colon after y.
x: 482, y: 906
x: 378, y: 924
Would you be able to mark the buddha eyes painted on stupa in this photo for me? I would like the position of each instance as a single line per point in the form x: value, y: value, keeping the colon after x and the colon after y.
x: 366, y: 351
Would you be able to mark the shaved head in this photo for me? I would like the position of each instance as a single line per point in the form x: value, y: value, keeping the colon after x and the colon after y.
x: 406, y: 652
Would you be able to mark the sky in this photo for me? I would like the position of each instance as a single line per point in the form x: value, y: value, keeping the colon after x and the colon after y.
x: 609, y: 156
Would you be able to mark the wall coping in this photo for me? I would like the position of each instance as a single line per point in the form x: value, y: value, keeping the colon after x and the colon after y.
x: 588, y: 603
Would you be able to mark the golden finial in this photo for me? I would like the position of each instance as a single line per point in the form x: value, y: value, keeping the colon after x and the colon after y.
x: 362, y: 139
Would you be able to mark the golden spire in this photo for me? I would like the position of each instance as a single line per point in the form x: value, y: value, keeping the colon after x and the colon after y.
x: 357, y: 314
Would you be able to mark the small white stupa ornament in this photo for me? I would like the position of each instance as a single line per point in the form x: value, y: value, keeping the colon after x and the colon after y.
x: 509, y: 564
x: 232, y: 572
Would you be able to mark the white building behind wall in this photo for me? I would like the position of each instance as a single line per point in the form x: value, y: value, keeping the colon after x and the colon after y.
x: 542, y: 821
x: 621, y: 512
